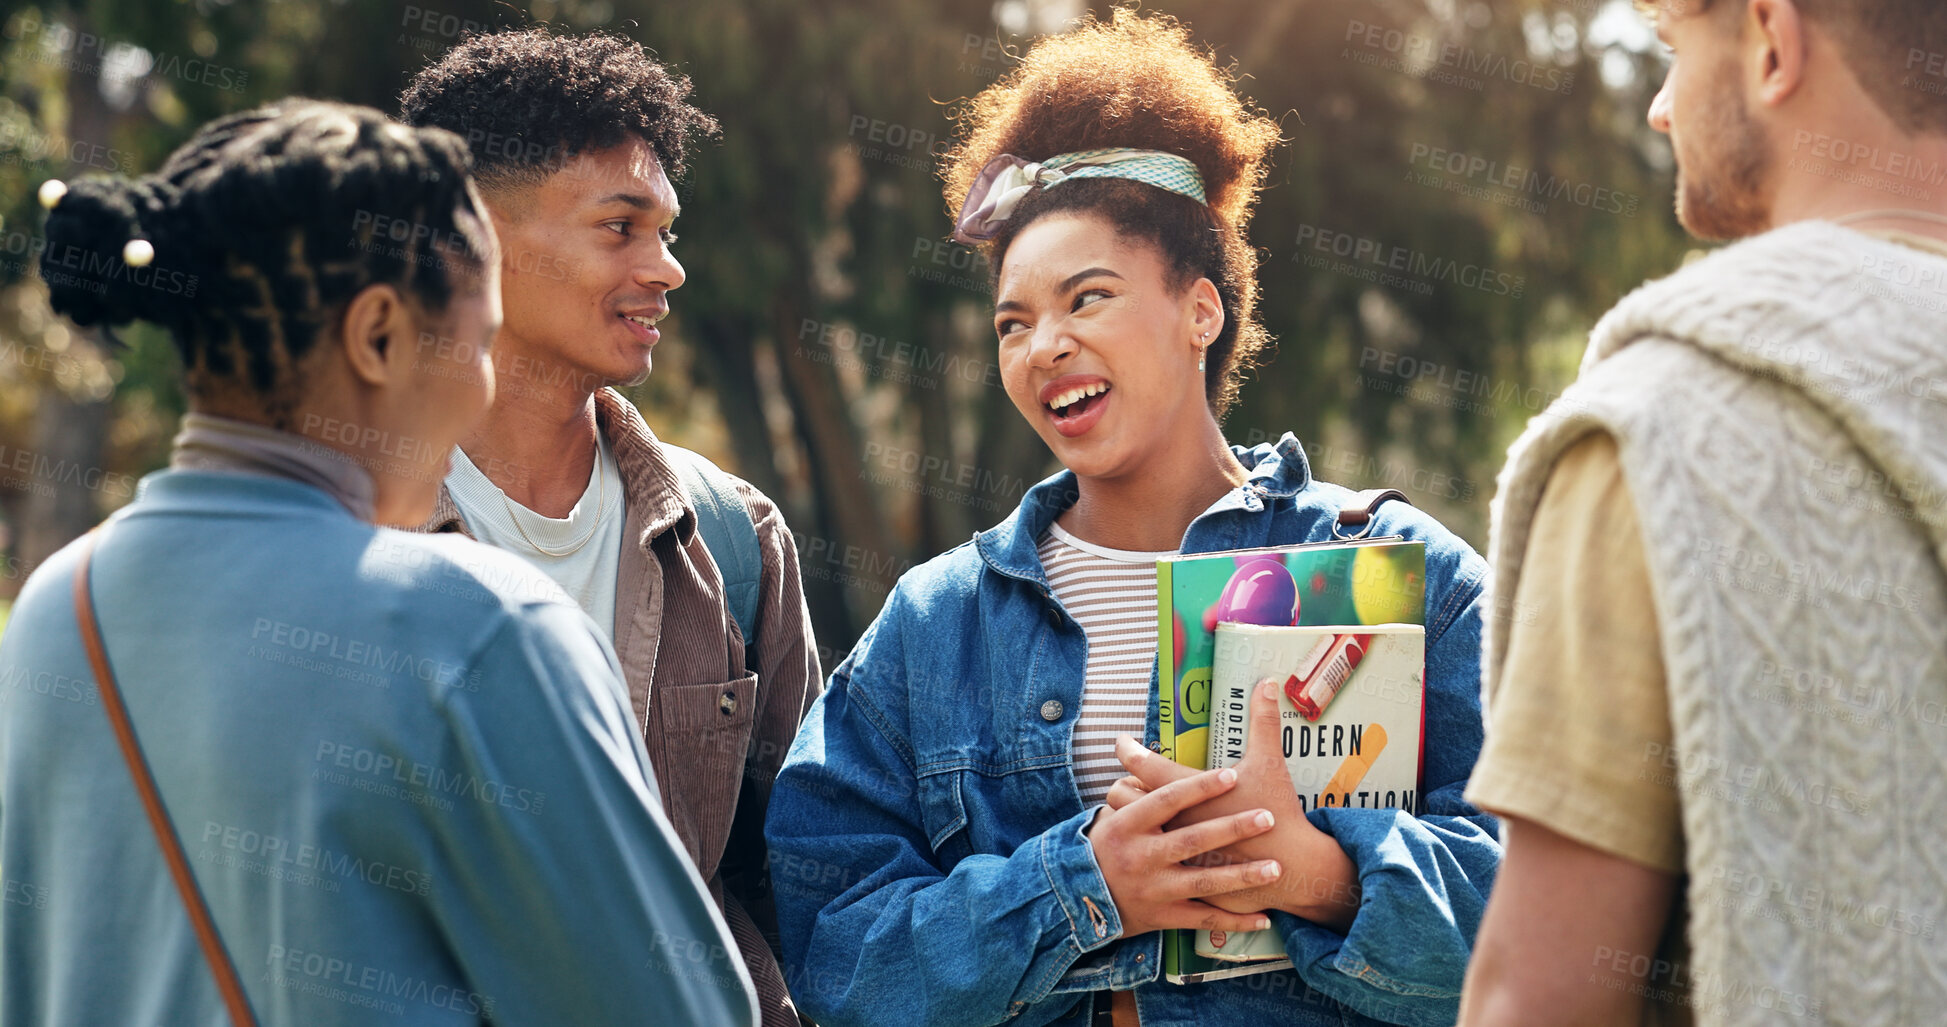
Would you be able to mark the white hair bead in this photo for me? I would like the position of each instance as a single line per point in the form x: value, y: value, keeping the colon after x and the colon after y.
x: 138, y: 253
x: 51, y: 192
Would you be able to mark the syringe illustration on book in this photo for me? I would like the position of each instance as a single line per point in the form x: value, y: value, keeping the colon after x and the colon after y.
x: 1341, y: 626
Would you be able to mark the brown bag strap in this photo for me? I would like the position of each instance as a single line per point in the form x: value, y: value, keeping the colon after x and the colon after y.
x: 138, y: 768
x: 1359, y: 511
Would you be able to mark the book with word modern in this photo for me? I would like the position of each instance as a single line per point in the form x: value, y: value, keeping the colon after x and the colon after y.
x: 1341, y: 626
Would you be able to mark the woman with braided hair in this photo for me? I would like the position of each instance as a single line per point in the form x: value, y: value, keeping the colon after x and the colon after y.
x: 259, y: 753
x: 968, y: 830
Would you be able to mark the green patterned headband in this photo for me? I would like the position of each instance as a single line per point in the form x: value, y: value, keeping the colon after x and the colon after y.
x: 1007, y: 179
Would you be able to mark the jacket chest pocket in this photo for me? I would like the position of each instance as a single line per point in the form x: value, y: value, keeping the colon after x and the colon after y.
x: 964, y: 811
x: 705, y: 734
x: 943, y: 814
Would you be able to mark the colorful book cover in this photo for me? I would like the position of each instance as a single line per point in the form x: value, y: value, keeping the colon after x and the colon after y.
x: 1370, y: 581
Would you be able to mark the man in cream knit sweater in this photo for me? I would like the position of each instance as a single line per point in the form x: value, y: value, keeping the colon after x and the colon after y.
x: 1716, y: 662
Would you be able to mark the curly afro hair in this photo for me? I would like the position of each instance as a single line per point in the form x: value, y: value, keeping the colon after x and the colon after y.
x: 526, y: 101
x: 1136, y: 82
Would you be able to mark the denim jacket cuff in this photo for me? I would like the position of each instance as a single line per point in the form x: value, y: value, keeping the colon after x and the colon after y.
x: 1077, y: 883
x: 1360, y: 967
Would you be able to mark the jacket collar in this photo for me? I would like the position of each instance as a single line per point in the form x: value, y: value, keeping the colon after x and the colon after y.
x: 1278, y: 472
x: 652, y: 491
x: 446, y: 515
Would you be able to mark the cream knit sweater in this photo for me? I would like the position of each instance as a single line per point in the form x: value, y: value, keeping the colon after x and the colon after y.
x: 1780, y: 409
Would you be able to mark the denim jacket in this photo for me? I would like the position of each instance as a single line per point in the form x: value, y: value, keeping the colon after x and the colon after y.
x: 926, y: 832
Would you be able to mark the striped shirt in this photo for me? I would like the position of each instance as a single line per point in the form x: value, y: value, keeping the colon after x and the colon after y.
x: 1112, y: 594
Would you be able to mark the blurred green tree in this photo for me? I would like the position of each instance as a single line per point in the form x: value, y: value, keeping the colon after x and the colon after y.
x: 1464, y: 188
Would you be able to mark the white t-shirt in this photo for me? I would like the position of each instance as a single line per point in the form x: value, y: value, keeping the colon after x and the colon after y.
x: 588, y: 573
x: 1112, y: 594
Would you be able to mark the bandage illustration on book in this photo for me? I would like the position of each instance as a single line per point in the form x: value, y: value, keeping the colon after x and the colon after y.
x: 1324, y: 671
x: 1371, y: 743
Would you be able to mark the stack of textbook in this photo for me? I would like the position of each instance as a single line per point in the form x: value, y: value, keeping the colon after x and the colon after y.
x: 1342, y: 626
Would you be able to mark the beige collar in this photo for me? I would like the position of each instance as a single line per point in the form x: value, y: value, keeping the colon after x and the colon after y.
x: 210, y: 443
x: 651, y: 491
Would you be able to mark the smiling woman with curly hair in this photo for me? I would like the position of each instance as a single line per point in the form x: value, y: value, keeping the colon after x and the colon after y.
x: 968, y: 830
x: 1137, y: 83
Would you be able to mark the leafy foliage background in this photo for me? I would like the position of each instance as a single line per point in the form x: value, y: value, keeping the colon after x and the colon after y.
x: 830, y: 345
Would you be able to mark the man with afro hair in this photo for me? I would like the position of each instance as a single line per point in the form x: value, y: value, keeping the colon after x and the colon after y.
x: 692, y: 571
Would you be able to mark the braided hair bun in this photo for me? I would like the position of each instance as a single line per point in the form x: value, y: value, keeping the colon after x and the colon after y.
x: 260, y: 229
x: 88, y: 231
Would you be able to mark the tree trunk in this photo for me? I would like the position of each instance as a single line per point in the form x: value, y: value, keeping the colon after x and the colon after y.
x: 727, y: 361
x: 1008, y: 445
x: 64, y: 499
x: 846, y: 503
x: 70, y: 433
x: 941, y: 525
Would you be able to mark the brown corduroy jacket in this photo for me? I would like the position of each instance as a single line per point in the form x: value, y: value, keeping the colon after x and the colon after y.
x: 716, y: 730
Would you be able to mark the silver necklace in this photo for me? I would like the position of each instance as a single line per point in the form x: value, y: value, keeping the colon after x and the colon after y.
x: 601, y: 493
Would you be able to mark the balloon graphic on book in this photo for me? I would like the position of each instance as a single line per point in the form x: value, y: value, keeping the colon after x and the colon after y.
x: 1262, y: 591
x: 1372, y: 582
x: 1388, y: 585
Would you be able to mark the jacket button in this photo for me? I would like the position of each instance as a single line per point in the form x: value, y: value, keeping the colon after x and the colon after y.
x: 727, y: 703
x: 1051, y: 710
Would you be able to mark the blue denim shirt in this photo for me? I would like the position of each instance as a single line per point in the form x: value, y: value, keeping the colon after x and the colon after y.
x: 927, y: 835
x: 403, y: 769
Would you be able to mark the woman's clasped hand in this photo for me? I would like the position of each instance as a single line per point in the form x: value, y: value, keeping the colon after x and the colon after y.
x: 1318, y: 881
